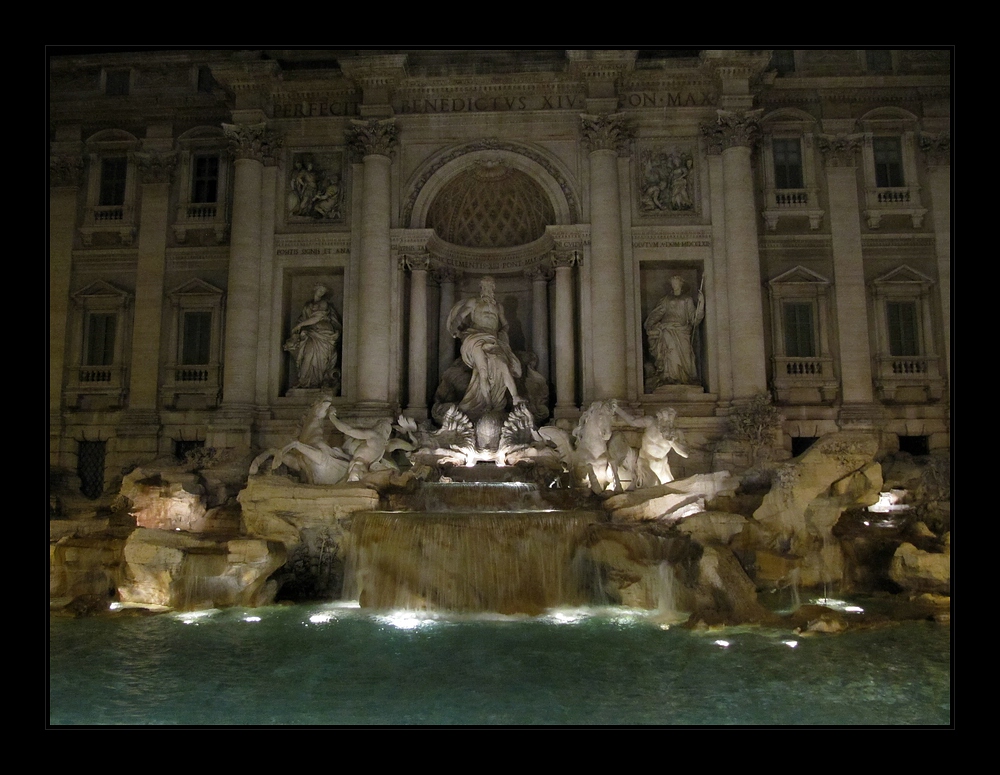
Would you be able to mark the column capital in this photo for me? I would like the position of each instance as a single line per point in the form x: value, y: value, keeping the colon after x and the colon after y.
x: 840, y: 150
x: 446, y: 274
x: 735, y: 128
x: 155, y: 167
x: 936, y: 148
x: 374, y: 137
x: 253, y: 141
x: 539, y: 273
x: 606, y: 132
x: 419, y: 262
x: 569, y: 258
x: 65, y: 170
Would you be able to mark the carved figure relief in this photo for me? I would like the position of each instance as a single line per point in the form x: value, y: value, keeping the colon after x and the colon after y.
x: 315, y: 187
x: 670, y: 333
x: 666, y: 181
x: 314, y: 341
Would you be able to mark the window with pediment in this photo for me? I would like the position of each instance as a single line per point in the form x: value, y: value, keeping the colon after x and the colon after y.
x: 907, y: 365
x: 802, y: 366
x: 789, y: 169
x: 193, y: 376
x: 890, y: 167
x: 111, y: 186
x: 97, y: 370
x: 202, y: 202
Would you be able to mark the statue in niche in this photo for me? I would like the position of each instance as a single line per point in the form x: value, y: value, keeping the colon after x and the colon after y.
x: 660, y: 435
x: 482, y: 326
x: 670, y: 330
x: 313, y: 343
x: 666, y: 182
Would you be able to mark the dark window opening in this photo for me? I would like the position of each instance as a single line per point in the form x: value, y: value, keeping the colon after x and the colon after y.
x: 90, y: 467
x: 801, y: 443
x: 196, y: 350
x: 113, y: 173
x: 903, y: 334
x: 205, y: 80
x: 205, y: 188
x: 787, y: 163
x: 800, y: 341
x: 878, y: 60
x: 915, y: 445
x: 116, y: 83
x: 888, y: 162
x: 182, y: 447
x: 100, y: 350
x: 783, y: 60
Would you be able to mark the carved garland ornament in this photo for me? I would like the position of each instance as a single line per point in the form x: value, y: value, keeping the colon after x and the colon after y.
x: 937, y: 148
x: 155, y: 167
x: 253, y: 141
x: 840, y: 150
x: 65, y: 170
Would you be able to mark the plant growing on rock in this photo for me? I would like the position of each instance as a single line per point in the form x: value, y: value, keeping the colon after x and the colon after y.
x: 754, y: 423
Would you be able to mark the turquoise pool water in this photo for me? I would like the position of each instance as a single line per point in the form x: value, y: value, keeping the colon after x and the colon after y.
x: 336, y: 664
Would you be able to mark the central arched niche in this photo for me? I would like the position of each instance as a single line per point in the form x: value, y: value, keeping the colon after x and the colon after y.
x: 490, y: 205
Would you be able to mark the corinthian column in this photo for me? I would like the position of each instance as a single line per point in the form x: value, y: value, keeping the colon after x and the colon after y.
x: 374, y: 141
x: 937, y: 149
x: 738, y: 132
x: 250, y: 146
x: 155, y: 172
x: 540, y: 277
x: 446, y: 277
x: 606, y: 136
x: 848, y: 269
x: 565, y: 354
x: 418, y: 266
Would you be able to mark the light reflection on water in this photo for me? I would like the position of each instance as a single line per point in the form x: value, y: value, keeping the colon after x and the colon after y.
x: 337, y: 664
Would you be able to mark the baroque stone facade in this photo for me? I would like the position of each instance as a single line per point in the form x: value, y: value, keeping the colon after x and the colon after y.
x: 790, y: 210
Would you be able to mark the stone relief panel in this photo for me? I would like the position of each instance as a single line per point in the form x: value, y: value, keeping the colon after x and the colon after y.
x: 315, y: 187
x: 311, y: 341
x: 666, y: 180
x: 673, y: 310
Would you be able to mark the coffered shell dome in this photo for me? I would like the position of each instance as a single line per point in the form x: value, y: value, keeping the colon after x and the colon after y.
x: 491, y: 205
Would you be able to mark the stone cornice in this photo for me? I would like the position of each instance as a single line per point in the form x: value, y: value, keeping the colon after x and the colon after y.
x: 65, y: 170
x: 608, y: 132
x: 251, y: 80
x: 253, y: 141
x: 378, y: 70
x: 490, y: 260
x: 840, y: 150
x: 374, y: 137
x: 155, y: 167
x: 601, y: 65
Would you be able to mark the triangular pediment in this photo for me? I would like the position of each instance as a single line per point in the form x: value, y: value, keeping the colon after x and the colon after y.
x: 101, y: 289
x: 195, y: 287
x: 903, y: 274
x: 799, y: 274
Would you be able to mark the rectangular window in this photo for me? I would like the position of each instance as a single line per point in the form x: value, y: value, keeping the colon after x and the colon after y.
x: 116, y: 83
x: 90, y: 467
x: 903, y: 328
x: 100, y: 350
x: 888, y: 153
x: 878, y: 60
x: 205, y: 185
x: 113, y: 172
x: 205, y: 80
x: 800, y: 341
x: 787, y: 163
x: 196, y: 350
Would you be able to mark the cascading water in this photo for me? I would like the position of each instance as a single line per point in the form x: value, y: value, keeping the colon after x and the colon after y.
x: 472, y: 547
